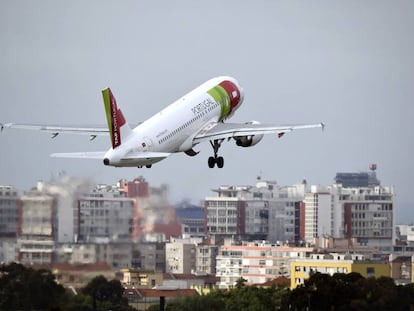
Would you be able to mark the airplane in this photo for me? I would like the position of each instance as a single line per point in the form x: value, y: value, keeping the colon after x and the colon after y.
x: 196, y: 117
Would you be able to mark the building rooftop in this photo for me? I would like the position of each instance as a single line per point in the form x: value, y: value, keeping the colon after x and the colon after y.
x: 166, y: 292
x: 361, y: 179
x: 281, y: 280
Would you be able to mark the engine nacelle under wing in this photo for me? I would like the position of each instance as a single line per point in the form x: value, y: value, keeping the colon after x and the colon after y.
x: 250, y: 140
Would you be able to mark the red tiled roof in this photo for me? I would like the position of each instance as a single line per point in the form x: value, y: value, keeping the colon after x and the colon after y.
x: 190, y: 276
x: 166, y: 292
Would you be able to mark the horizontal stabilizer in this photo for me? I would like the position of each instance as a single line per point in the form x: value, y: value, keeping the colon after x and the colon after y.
x: 80, y: 155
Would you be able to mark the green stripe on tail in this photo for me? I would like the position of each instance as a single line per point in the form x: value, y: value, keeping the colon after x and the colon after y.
x: 108, y: 112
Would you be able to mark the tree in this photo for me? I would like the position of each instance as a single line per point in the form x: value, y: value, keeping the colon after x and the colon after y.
x: 106, y: 294
x: 210, y: 302
x: 350, y: 292
x: 241, y: 297
x: 25, y: 288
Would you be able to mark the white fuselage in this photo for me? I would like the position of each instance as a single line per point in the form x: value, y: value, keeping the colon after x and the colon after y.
x: 173, y: 128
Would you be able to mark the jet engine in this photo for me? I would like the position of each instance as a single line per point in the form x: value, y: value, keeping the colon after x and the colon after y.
x: 249, y: 140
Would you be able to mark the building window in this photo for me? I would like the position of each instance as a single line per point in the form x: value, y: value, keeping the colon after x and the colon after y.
x: 370, y: 272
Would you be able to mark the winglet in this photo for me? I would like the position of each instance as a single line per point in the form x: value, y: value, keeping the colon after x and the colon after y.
x: 118, y: 128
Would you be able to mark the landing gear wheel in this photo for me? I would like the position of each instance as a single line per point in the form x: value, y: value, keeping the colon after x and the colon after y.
x: 211, y: 162
x: 216, y: 144
x: 220, y: 162
x: 148, y: 166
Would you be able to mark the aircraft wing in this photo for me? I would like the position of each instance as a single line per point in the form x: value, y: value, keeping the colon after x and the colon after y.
x: 229, y: 130
x: 58, y: 129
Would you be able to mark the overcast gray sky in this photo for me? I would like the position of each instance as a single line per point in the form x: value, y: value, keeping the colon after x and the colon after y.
x: 347, y: 63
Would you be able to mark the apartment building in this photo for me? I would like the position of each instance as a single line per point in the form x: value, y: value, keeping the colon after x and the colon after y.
x: 363, y: 214
x: 180, y: 256
x: 257, y: 262
x: 10, y: 206
x: 191, y: 218
x: 226, y: 213
x: 284, y: 211
x: 149, y: 256
x: 405, y: 234
x: 118, y: 255
x: 317, y: 214
x: 400, y: 268
x: 265, y: 211
x: 139, y: 278
x: 104, y: 215
x: 302, y: 268
x: 37, y: 229
x: 206, y: 258
x: 368, y: 215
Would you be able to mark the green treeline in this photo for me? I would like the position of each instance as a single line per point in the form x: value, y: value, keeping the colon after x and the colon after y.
x: 320, y: 292
x: 24, y: 288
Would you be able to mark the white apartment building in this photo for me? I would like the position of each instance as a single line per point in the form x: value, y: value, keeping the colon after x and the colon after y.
x: 266, y: 211
x: 180, y: 256
x: 405, y: 233
x: 225, y: 214
x: 368, y: 214
x: 362, y: 213
x: 318, y: 214
x: 143, y: 256
x: 257, y: 262
x: 37, y: 228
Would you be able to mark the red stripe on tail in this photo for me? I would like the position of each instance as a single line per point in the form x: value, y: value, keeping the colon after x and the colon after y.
x: 118, y: 120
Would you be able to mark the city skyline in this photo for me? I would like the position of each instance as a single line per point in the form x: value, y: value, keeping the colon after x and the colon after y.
x: 347, y: 64
x: 87, y: 185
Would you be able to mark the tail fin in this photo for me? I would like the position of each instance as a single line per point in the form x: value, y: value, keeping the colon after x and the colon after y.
x: 119, y: 129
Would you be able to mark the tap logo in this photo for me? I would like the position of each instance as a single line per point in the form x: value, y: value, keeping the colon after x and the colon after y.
x: 115, y: 118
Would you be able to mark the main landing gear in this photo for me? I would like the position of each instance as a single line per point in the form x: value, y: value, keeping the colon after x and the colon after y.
x: 216, y: 160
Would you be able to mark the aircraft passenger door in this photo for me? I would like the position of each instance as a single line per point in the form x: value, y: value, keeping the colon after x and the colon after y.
x: 146, y: 144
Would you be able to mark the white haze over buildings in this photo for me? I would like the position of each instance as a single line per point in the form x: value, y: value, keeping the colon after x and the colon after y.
x: 349, y: 64
x: 66, y: 190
